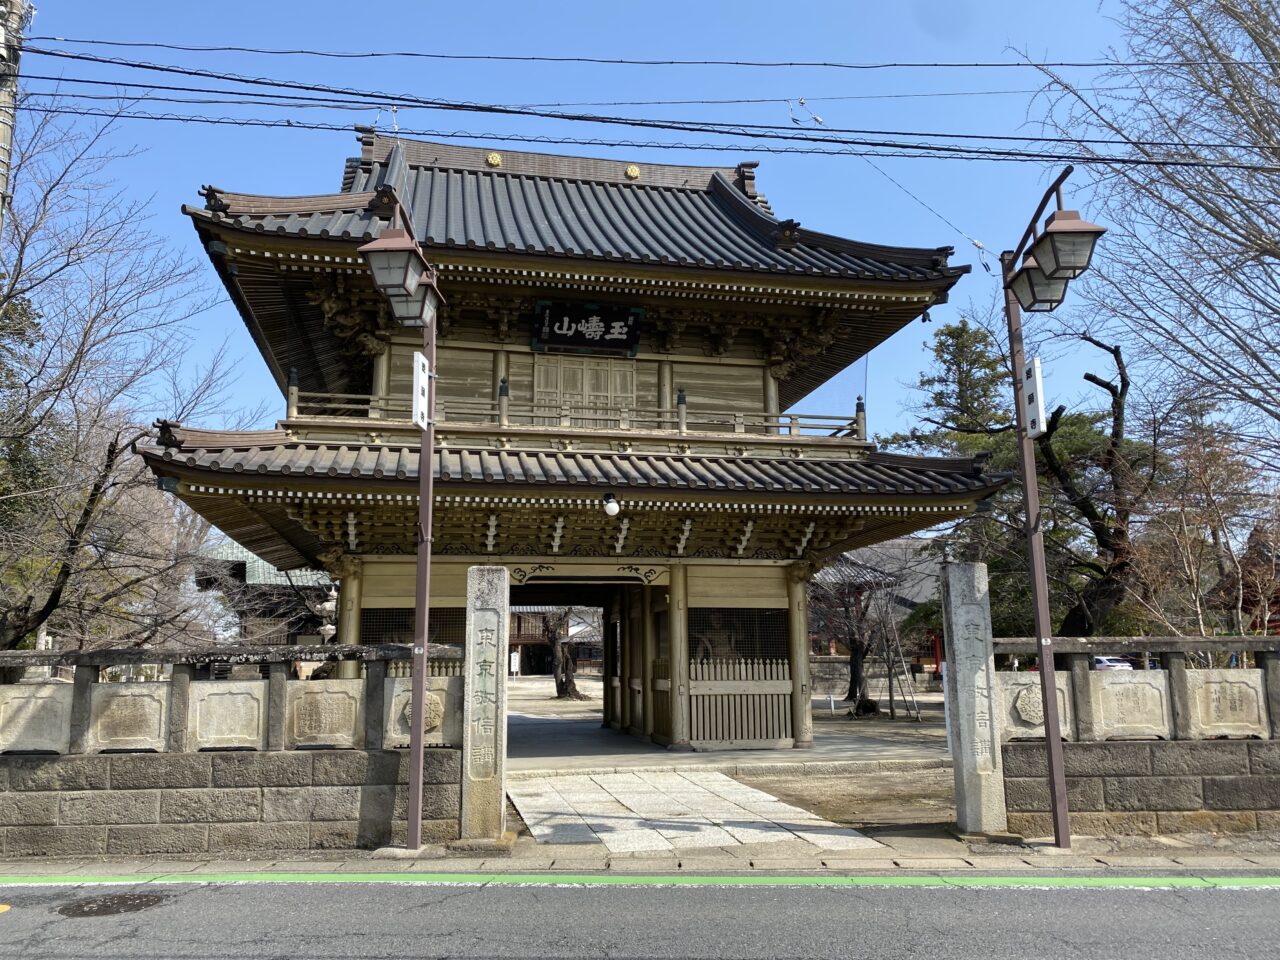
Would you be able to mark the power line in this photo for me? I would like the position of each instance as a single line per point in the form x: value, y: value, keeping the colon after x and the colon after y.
x: 624, y: 61
x: 721, y: 129
x: 776, y: 100
x: 833, y: 147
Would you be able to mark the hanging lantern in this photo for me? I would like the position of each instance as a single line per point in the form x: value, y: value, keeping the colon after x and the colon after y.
x: 1034, y: 290
x: 1066, y: 246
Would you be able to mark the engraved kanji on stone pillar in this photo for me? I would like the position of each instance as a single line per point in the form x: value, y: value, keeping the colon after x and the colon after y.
x: 484, y: 741
x: 971, y: 696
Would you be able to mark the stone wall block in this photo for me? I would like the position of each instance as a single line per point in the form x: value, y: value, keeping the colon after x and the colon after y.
x: 1153, y: 793
x: 439, y: 802
x: 438, y: 766
x: 1242, y: 793
x: 433, y: 831
x: 315, y: 803
x: 262, y: 769
x: 84, y: 841
x: 324, y: 713
x: 28, y: 809
x: 227, y: 714
x: 1208, y: 821
x: 108, y: 807
x: 1131, y: 705
x: 1086, y: 824
x: 1022, y: 706
x: 35, y: 716
x: 58, y: 773
x: 1116, y: 759
x: 150, y: 771
x: 1199, y: 758
x: 1031, y: 795
x: 158, y: 838
x: 1227, y: 703
x: 1264, y: 756
x: 128, y: 716
x: 238, y: 837
x: 214, y: 805
x: 443, y: 715
x: 355, y: 768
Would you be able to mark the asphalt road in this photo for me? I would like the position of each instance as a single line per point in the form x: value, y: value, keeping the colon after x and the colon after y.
x: 361, y: 920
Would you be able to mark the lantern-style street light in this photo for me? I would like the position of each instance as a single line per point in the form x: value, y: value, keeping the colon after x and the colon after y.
x: 1060, y: 253
x: 1065, y: 248
x: 1036, y: 291
x: 401, y: 273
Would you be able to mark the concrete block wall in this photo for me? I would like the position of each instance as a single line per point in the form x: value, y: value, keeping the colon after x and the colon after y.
x: 220, y: 802
x: 1148, y: 787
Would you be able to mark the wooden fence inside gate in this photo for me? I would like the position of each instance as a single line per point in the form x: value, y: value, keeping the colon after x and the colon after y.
x: 740, y: 704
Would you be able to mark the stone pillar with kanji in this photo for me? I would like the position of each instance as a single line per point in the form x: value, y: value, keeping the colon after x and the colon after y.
x: 972, y: 699
x: 484, y: 739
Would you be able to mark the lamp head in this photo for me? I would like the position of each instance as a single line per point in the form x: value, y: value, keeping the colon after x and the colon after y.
x: 611, y: 506
x: 1034, y: 291
x: 395, y: 261
x: 1066, y: 246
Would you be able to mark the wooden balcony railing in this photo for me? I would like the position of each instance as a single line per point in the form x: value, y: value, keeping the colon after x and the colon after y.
x: 679, y: 420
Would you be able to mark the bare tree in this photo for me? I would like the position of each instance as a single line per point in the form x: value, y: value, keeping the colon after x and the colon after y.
x: 1191, y: 267
x: 93, y: 314
x: 557, y: 624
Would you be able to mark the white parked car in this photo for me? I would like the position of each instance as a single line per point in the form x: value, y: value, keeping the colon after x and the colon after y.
x: 1111, y: 663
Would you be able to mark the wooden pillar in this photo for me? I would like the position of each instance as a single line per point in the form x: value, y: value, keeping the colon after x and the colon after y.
x: 349, y: 599
x: 771, y: 407
x: 624, y: 651
x: 648, y: 652
x: 678, y: 616
x: 606, y: 668
x: 666, y: 388
x: 798, y: 651
x: 499, y: 370
x: 381, y: 380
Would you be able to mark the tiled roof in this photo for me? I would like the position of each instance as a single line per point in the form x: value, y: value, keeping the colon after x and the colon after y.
x: 260, y: 573
x: 704, y: 217
x: 273, y: 454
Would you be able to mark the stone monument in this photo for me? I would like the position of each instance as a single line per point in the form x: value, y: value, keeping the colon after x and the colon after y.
x: 484, y: 718
x: 973, y: 699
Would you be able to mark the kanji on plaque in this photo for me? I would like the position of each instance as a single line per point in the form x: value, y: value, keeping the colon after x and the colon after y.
x: 587, y: 327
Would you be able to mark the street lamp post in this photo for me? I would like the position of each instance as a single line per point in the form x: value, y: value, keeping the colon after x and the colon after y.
x: 404, y: 277
x: 1060, y: 253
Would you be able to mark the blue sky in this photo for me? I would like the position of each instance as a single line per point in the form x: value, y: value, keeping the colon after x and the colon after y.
x: 842, y: 195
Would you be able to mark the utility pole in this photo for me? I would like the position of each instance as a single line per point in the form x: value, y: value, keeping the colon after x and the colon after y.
x: 13, y: 18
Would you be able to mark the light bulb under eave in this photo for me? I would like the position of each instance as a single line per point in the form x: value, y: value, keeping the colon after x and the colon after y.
x: 1034, y: 290
x: 611, y: 506
x: 1065, y: 249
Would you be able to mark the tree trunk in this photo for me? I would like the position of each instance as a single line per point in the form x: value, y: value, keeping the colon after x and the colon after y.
x: 563, y: 667
x: 863, y: 706
x: 1098, y: 599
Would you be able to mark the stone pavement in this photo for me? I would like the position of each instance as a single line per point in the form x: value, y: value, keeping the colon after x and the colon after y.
x: 669, y: 811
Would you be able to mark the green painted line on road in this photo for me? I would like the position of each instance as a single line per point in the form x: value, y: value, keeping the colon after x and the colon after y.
x: 639, y: 880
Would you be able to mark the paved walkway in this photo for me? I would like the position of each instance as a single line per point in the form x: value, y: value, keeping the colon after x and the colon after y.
x: 630, y: 812
x: 546, y: 736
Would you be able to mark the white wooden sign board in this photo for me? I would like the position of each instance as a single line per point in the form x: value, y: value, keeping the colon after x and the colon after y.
x: 421, y: 382
x: 1033, y: 396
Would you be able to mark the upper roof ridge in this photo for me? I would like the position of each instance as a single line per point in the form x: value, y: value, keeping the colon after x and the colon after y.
x: 378, y: 148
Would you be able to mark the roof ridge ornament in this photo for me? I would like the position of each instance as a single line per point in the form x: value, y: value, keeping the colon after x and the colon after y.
x: 213, y: 199
x: 786, y: 234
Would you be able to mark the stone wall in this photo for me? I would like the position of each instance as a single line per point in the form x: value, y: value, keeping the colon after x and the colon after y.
x: 1148, y: 787
x: 220, y: 802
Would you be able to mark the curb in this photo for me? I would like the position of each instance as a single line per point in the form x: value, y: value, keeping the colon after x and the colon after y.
x: 782, y: 768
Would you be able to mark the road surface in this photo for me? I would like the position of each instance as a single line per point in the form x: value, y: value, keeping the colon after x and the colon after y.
x: 385, y: 920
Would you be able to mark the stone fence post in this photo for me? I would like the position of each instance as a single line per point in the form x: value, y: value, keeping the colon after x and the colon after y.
x: 971, y: 697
